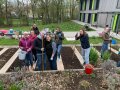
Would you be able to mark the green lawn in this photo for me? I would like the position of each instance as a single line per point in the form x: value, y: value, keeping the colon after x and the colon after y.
x: 65, y: 26
x: 93, y: 40
x: 8, y: 42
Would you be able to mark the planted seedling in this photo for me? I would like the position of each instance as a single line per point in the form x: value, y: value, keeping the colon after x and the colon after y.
x: 94, y: 56
x: 85, y: 84
x: 106, y: 56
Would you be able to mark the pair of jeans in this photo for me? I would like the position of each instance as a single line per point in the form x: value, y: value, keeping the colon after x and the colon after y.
x: 59, y: 47
x: 53, y: 63
x: 85, y: 54
x: 29, y: 59
x: 39, y: 61
x: 34, y: 54
x: 104, y: 48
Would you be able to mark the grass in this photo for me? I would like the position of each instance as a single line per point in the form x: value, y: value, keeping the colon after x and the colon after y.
x: 9, y: 42
x: 65, y: 26
x: 93, y: 40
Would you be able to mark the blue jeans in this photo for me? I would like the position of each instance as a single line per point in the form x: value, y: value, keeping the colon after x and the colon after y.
x: 53, y: 63
x: 118, y: 64
x: 59, y: 47
x: 85, y: 54
x: 39, y: 61
x: 104, y: 48
x: 29, y: 59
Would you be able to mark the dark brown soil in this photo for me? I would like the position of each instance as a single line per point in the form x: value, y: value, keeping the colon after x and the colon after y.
x: 95, y: 82
x: 6, y: 56
x: 1, y: 49
x: 98, y: 48
x: 70, y: 61
x: 116, y: 47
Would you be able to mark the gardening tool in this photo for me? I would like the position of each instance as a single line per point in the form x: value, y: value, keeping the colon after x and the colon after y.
x: 42, y: 54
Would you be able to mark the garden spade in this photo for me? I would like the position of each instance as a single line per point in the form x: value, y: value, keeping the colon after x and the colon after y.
x: 42, y: 54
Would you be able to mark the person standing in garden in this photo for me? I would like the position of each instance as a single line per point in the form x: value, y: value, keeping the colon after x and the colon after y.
x: 85, y: 45
x: 26, y: 45
x: 106, y: 41
x: 51, y: 51
x: 59, y: 37
x: 35, y: 29
x: 39, y: 45
x: 32, y: 37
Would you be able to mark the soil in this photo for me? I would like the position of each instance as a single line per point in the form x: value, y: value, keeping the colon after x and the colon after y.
x: 6, y: 56
x: 1, y: 49
x: 70, y: 61
x: 60, y: 80
x: 95, y: 82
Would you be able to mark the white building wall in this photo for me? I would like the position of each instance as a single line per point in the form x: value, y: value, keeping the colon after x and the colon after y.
x: 102, y: 19
x: 108, y: 6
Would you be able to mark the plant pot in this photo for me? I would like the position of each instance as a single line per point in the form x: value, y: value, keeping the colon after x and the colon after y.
x: 89, y: 69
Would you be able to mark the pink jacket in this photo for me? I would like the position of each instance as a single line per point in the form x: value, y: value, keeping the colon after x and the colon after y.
x: 25, y: 44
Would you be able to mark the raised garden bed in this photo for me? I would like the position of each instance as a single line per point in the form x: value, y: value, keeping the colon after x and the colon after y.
x: 78, y: 48
x: 114, y: 56
x: 116, y: 47
x: 56, y: 80
x: 6, y: 56
x: 19, y: 64
x: 70, y: 61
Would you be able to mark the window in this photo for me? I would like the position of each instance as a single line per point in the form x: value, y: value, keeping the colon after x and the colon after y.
x: 80, y: 16
x: 81, y: 3
x: 83, y: 17
x: 90, y: 6
x: 95, y: 17
x: 97, y: 4
x: 89, y: 18
x: 118, y: 4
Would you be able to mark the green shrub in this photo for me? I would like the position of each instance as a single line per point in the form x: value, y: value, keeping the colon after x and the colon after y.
x: 14, y: 87
x: 106, y: 56
x: 93, y: 56
x: 1, y: 85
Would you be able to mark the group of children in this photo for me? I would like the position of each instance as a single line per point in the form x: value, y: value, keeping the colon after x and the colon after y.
x: 41, y: 47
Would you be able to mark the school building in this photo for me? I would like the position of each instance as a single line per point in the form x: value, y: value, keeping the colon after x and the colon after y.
x: 101, y: 13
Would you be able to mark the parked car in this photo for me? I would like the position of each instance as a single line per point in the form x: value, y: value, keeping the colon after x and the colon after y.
x: 3, y: 32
